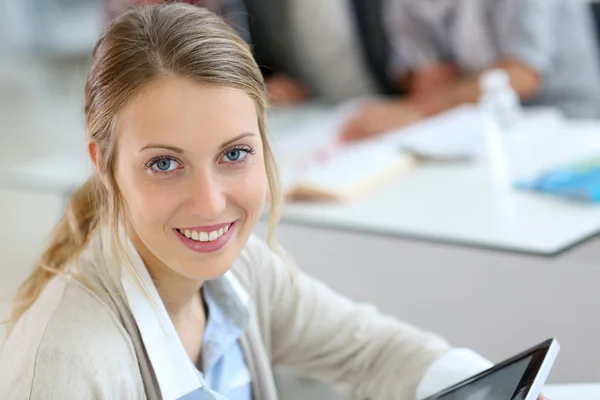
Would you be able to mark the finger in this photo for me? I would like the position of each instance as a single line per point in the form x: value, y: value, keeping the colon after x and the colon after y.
x: 352, y: 131
x: 356, y: 134
x: 284, y: 93
x: 296, y: 93
x: 277, y: 96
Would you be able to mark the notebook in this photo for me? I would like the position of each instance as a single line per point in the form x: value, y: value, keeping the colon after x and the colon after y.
x: 315, y: 166
x: 459, y: 134
x: 455, y: 135
x: 344, y: 173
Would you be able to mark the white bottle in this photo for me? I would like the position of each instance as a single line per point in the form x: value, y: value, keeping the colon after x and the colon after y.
x: 501, y: 112
x: 498, y: 99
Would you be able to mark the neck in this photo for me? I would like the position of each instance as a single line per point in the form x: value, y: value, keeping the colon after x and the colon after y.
x: 181, y: 296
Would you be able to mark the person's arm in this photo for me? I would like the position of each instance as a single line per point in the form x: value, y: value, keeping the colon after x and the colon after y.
x: 430, y: 78
x: 525, y: 80
x: 412, y: 45
x: 70, y: 346
x: 320, y: 333
x: 525, y: 32
x: 412, y: 49
x: 285, y: 91
x: 379, y: 116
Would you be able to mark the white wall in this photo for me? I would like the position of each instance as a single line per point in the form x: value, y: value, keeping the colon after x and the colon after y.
x: 56, y: 27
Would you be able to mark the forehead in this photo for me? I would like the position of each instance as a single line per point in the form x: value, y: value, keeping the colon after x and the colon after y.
x: 182, y: 112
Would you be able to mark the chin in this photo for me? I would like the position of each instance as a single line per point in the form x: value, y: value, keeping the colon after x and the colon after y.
x: 207, y: 272
x: 208, y: 266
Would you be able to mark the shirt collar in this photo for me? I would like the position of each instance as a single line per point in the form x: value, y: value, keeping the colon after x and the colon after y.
x: 223, y: 329
x: 231, y: 298
x: 175, y: 372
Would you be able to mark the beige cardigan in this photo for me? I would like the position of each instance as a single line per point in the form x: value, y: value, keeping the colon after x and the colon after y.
x: 76, y: 343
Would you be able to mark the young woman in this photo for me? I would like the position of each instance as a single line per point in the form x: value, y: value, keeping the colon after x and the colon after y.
x: 152, y: 285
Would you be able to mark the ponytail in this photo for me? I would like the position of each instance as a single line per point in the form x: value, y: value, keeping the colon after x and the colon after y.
x: 67, y: 241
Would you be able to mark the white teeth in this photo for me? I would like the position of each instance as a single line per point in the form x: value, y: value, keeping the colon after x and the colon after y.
x: 204, y: 236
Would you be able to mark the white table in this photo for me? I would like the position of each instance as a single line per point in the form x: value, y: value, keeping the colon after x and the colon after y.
x: 306, y: 389
x: 458, y: 204
x: 573, y: 392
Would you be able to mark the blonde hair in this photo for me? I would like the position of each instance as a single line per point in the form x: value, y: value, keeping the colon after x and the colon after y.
x: 135, y: 49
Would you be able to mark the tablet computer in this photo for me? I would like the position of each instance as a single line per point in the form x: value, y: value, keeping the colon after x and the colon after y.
x: 519, y: 378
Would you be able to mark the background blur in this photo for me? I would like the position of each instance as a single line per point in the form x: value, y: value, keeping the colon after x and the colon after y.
x: 44, y: 50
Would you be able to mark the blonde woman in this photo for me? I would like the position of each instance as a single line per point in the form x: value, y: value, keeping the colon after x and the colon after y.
x: 152, y: 285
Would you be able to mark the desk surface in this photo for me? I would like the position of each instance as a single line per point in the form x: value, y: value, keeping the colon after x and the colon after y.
x: 573, y: 392
x: 457, y: 204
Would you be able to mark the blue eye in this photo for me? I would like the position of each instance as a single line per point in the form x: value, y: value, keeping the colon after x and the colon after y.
x: 237, y: 154
x: 163, y: 165
x: 234, y: 155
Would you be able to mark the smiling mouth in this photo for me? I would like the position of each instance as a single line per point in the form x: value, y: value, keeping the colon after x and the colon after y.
x: 205, y: 236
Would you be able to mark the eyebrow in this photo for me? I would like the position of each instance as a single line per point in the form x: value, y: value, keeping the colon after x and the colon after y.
x: 178, y: 150
x: 235, y: 139
x: 161, y: 146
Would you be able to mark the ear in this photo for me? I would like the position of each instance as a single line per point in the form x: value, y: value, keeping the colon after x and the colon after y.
x: 96, y: 158
x: 94, y: 153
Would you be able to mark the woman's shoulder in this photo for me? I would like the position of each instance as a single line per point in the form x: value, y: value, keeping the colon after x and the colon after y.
x: 69, y: 344
x: 265, y: 271
x: 258, y: 263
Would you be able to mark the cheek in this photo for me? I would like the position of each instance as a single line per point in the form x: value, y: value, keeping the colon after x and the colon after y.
x: 249, y: 190
x: 149, y: 204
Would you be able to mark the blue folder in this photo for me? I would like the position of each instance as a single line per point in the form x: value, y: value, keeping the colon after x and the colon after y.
x: 579, y: 181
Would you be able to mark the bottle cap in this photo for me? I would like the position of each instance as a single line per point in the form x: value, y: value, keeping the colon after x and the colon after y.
x: 495, y: 79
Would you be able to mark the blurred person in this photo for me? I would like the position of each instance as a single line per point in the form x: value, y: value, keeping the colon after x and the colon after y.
x: 152, y: 284
x: 547, y: 47
x: 257, y: 22
x: 342, y: 50
x: 431, y: 50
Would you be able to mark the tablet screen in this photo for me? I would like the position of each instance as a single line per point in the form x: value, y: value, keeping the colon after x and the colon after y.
x: 518, y: 378
x: 505, y: 384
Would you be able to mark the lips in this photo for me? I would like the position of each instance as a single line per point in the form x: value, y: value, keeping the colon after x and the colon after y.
x: 205, y: 234
x: 206, y: 239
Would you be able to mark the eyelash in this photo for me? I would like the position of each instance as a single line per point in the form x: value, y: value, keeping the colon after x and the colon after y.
x: 149, y: 164
x: 249, y: 150
x: 153, y: 161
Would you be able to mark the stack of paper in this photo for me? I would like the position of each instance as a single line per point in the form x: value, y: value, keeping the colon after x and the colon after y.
x: 348, y: 172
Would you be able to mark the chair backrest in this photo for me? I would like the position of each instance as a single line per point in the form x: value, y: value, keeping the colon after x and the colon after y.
x: 595, y: 7
x: 375, y: 42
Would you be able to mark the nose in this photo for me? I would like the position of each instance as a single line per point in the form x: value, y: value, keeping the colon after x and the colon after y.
x: 207, y: 195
